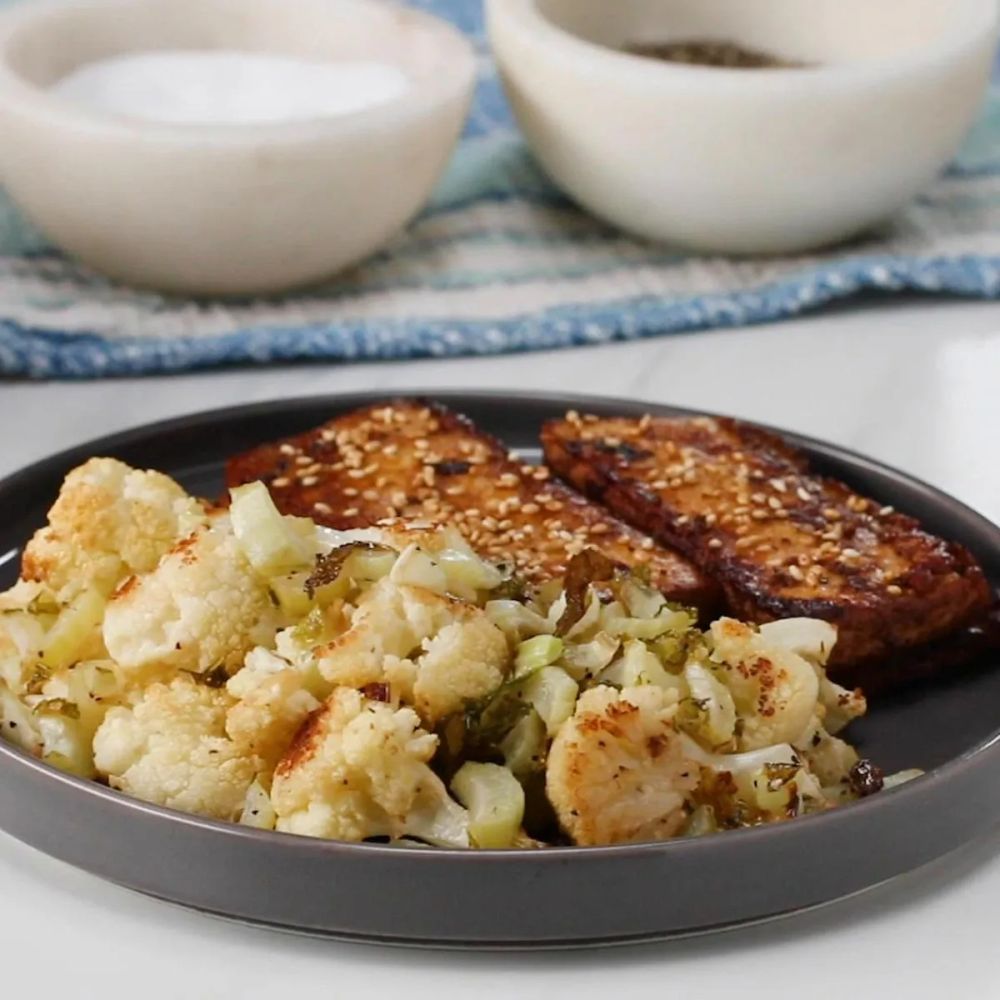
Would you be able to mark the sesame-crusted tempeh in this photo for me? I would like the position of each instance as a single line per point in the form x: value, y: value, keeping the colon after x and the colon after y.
x: 408, y: 461
x: 741, y: 503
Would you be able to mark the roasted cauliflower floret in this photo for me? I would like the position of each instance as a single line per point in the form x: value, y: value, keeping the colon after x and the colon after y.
x: 775, y: 690
x: 171, y: 749
x: 438, y: 653
x: 273, y: 700
x: 358, y: 769
x: 618, y: 771
x: 201, y: 608
x: 108, y: 522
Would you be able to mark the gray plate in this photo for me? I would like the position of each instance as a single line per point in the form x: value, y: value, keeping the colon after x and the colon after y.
x: 513, y: 899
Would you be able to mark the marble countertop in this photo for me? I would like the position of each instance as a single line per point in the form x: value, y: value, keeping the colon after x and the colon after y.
x: 915, y: 384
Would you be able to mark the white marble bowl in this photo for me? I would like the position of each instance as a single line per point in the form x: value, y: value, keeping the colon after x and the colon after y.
x: 237, y: 209
x: 735, y: 160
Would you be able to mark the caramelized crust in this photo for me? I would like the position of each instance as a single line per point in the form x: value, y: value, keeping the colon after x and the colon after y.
x: 410, y: 461
x: 741, y: 503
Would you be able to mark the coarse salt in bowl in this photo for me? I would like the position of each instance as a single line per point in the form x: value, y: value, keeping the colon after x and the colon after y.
x: 237, y: 195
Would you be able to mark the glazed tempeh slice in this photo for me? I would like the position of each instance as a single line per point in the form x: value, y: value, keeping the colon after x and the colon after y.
x: 741, y: 503
x: 418, y: 462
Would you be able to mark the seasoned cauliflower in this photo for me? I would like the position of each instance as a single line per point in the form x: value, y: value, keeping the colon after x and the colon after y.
x: 203, y: 607
x: 272, y: 702
x: 359, y: 769
x: 171, y: 749
x: 437, y: 653
x: 618, y: 770
x: 775, y: 690
x: 22, y: 636
x: 109, y: 521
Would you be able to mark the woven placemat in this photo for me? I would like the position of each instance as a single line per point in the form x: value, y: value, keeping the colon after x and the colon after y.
x: 500, y: 261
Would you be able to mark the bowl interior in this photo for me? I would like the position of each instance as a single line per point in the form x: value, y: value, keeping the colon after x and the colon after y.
x: 49, y: 43
x: 817, y: 32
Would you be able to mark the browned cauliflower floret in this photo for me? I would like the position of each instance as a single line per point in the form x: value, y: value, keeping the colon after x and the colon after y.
x: 273, y: 700
x: 775, y: 690
x: 171, y: 749
x: 359, y: 769
x: 108, y: 522
x: 617, y: 770
x: 203, y: 607
x: 438, y: 653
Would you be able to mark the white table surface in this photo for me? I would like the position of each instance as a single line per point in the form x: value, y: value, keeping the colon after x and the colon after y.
x: 916, y: 384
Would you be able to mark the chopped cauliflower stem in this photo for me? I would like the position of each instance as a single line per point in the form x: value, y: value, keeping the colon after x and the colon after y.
x: 392, y: 684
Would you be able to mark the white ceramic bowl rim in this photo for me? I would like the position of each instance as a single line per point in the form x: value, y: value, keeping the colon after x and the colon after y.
x: 981, y: 17
x: 456, y: 77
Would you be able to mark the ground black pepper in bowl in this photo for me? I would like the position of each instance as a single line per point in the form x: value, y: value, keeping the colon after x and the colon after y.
x: 723, y: 55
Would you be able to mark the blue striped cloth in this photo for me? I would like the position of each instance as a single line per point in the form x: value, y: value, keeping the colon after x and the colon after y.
x: 500, y: 261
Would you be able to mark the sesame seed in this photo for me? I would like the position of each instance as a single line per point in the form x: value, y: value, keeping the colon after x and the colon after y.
x: 599, y: 529
x: 356, y: 473
x: 779, y: 485
x: 850, y: 553
x: 349, y: 491
x: 715, y: 543
x: 885, y: 511
x: 287, y: 449
x: 531, y: 508
x: 281, y: 482
x: 894, y: 590
x: 541, y: 473
x: 803, y: 494
x: 322, y: 508
x: 774, y: 503
x: 309, y: 480
x: 351, y: 512
x: 682, y: 520
x: 645, y: 422
x: 303, y: 460
x: 648, y: 543
x: 659, y: 484
x: 370, y: 495
x: 794, y: 572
